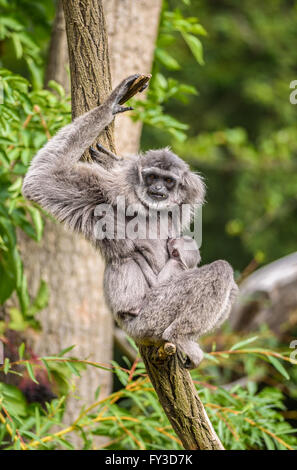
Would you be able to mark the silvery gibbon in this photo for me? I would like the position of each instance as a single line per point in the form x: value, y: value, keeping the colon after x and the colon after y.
x: 152, y: 284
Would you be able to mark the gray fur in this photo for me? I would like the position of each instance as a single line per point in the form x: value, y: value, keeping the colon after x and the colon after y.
x: 184, y: 303
x: 183, y: 254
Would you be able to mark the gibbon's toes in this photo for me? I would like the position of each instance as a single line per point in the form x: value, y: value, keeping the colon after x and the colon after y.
x: 121, y: 109
x: 124, y: 87
x: 101, y: 148
x: 193, y: 361
x: 189, y: 364
x: 143, y: 88
x: 129, y: 80
x: 93, y: 153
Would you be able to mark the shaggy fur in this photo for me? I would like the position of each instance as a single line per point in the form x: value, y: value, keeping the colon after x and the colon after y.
x: 180, y: 308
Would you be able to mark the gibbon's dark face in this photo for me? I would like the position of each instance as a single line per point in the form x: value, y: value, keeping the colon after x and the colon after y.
x: 164, y: 180
x: 159, y: 185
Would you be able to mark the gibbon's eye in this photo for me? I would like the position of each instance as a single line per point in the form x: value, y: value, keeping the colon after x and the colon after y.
x: 170, y: 182
x: 150, y: 179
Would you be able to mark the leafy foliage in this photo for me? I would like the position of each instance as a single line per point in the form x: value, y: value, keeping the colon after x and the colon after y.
x: 27, y: 119
x: 132, y: 418
x: 173, y: 25
x: 242, y: 126
x: 244, y: 137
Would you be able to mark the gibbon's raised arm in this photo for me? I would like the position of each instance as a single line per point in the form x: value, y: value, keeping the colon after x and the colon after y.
x: 65, y: 187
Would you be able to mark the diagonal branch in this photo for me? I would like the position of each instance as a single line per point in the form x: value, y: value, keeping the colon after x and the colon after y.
x: 180, y: 400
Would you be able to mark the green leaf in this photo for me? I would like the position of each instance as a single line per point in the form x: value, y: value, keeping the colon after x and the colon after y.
x: 198, y: 29
x: 166, y: 59
x: 9, y: 230
x: 7, y: 287
x: 21, y: 351
x: 122, y: 376
x: 14, y: 399
x: 17, y: 320
x: 41, y: 299
x: 178, y: 135
x: 16, y: 186
x: 243, y: 343
x: 37, y: 221
x: 278, y: 366
x: 73, y: 369
x: 57, y: 87
x: 36, y: 73
x: 31, y: 372
x: 66, y: 350
x: 64, y: 443
x: 47, y: 367
x: 37, y: 420
x: 211, y: 358
x: 6, y: 365
x: 268, y: 441
x: 196, y: 47
x: 11, y: 23
x: 17, y: 45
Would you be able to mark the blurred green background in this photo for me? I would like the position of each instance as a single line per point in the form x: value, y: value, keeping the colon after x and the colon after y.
x: 242, y: 126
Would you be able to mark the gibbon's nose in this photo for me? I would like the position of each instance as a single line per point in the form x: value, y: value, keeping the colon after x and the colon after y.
x: 157, y: 191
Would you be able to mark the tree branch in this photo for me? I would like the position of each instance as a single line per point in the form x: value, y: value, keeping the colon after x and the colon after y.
x: 179, y: 399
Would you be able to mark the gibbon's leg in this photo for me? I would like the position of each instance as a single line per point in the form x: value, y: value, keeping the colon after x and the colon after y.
x: 231, y: 299
x: 189, y: 352
x: 100, y: 154
x: 146, y: 269
x: 184, y: 308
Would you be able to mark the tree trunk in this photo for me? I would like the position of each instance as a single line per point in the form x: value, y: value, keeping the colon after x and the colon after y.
x: 132, y: 28
x: 89, y: 58
x: 57, y: 64
x: 180, y: 400
x: 76, y: 313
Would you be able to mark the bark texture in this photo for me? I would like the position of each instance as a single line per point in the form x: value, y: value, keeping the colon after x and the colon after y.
x: 132, y: 28
x: 89, y: 59
x: 57, y: 63
x: 180, y: 401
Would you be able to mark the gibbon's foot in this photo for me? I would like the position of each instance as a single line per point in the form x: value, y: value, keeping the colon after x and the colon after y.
x: 121, y: 109
x: 193, y: 360
x: 139, y: 84
x: 186, y: 361
x: 95, y: 155
x: 125, y: 90
x: 118, y: 95
x: 144, y: 87
x: 188, y: 364
x: 107, y: 152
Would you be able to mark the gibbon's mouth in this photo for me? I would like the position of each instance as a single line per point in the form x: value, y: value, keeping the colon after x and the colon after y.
x: 158, y: 196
